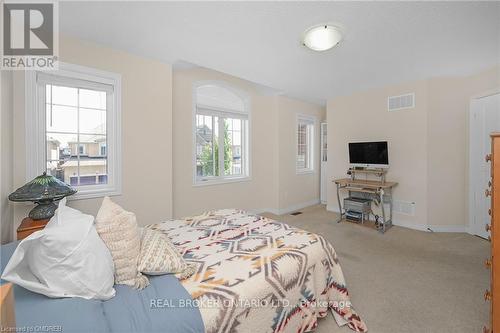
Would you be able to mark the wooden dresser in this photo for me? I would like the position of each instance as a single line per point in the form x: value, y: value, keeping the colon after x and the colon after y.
x: 493, y: 294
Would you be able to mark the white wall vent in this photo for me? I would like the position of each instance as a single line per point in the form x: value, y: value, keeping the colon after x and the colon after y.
x: 404, y: 207
x: 401, y: 102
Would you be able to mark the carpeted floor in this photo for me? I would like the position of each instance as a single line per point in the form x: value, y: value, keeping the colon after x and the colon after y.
x: 405, y: 280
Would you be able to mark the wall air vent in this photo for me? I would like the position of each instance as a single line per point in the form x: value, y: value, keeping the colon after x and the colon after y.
x: 401, y: 102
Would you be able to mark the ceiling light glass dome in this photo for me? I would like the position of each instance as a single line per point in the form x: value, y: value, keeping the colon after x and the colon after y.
x: 322, y: 37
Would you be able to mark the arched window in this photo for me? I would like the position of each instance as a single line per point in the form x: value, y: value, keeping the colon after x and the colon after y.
x: 220, y: 134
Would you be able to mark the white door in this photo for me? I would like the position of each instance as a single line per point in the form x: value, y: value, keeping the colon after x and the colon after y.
x: 484, y: 119
x: 324, y: 158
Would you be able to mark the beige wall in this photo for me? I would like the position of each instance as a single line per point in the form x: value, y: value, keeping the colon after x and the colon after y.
x: 272, y: 140
x: 189, y: 199
x: 150, y: 157
x: 448, y: 139
x: 428, y: 145
x: 423, y: 143
x: 364, y: 117
x: 296, y: 189
x: 146, y: 130
x: 6, y: 161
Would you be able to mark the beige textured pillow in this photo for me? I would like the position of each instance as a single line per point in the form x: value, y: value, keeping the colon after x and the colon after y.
x: 159, y: 256
x: 118, y: 229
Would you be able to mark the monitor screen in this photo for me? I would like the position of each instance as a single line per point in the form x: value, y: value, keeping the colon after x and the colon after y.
x: 368, y: 153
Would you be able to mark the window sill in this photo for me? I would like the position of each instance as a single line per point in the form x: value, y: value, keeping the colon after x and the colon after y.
x: 92, y: 194
x: 305, y: 172
x: 220, y: 181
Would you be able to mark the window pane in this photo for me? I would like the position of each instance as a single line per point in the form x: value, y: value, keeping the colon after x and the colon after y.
x: 92, y: 121
x: 90, y: 172
x: 93, y: 172
x: 61, y: 146
x: 237, y: 126
x: 93, y: 165
x: 80, y: 156
x: 61, y: 155
x: 64, y: 96
x: 233, y: 147
x: 61, y: 118
x: 77, y: 162
x: 206, y: 146
x: 303, y: 146
x: 92, y: 99
x: 91, y: 145
x: 236, y: 138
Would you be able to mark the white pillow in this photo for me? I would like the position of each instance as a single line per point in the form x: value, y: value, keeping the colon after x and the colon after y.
x: 65, y: 259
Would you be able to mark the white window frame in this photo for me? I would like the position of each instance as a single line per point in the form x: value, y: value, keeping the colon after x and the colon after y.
x: 36, y: 126
x: 246, y: 134
x: 309, y: 121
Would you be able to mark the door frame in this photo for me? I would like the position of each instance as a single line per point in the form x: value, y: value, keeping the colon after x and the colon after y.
x: 323, y: 178
x: 470, y: 158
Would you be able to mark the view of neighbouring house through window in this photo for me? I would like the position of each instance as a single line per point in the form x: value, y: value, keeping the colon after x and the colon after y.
x: 207, y: 146
x: 76, y: 135
x: 221, y: 135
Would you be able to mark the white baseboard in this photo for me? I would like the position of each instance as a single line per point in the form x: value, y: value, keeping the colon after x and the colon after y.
x: 286, y: 210
x: 420, y: 227
x: 449, y: 228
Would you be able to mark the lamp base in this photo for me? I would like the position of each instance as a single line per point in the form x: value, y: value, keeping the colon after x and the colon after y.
x: 43, y: 211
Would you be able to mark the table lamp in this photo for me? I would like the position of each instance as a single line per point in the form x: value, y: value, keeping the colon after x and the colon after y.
x: 43, y: 190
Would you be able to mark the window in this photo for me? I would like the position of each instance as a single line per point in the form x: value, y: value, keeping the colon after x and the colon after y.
x: 81, y: 149
x: 305, y: 144
x: 102, y: 147
x: 73, y: 125
x: 220, y: 135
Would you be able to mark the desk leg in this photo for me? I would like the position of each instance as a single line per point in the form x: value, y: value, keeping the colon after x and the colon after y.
x: 340, y: 205
x: 387, y: 223
x: 381, y: 197
x: 390, y: 205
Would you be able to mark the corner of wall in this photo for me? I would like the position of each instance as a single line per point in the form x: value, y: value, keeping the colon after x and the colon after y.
x: 6, y: 158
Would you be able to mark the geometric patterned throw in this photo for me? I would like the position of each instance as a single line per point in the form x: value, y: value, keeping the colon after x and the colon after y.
x: 254, y: 274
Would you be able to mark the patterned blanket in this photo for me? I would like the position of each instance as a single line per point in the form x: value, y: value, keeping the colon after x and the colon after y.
x: 258, y: 275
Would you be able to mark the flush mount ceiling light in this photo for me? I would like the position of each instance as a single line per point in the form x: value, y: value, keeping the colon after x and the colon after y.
x: 322, y: 37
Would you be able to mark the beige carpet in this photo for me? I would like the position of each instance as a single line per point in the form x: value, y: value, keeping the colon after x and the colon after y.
x: 405, y: 280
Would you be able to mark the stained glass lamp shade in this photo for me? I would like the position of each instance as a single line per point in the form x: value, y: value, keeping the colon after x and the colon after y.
x: 43, y: 190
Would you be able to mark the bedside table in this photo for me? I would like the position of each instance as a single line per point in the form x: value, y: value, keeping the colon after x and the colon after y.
x: 29, y: 226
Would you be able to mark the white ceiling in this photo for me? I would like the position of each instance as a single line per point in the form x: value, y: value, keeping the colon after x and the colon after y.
x: 385, y: 42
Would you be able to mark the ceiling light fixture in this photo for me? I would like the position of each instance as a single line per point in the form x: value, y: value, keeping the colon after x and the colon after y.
x: 322, y: 37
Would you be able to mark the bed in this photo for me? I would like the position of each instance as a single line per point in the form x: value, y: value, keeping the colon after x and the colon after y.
x: 253, y: 274
x: 129, y: 311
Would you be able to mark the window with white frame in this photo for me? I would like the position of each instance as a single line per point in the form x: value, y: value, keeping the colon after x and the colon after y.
x: 305, y: 144
x: 73, y: 127
x: 221, y: 123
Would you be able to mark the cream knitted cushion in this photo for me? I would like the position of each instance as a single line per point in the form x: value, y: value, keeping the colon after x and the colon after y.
x: 118, y: 229
x: 159, y: 256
